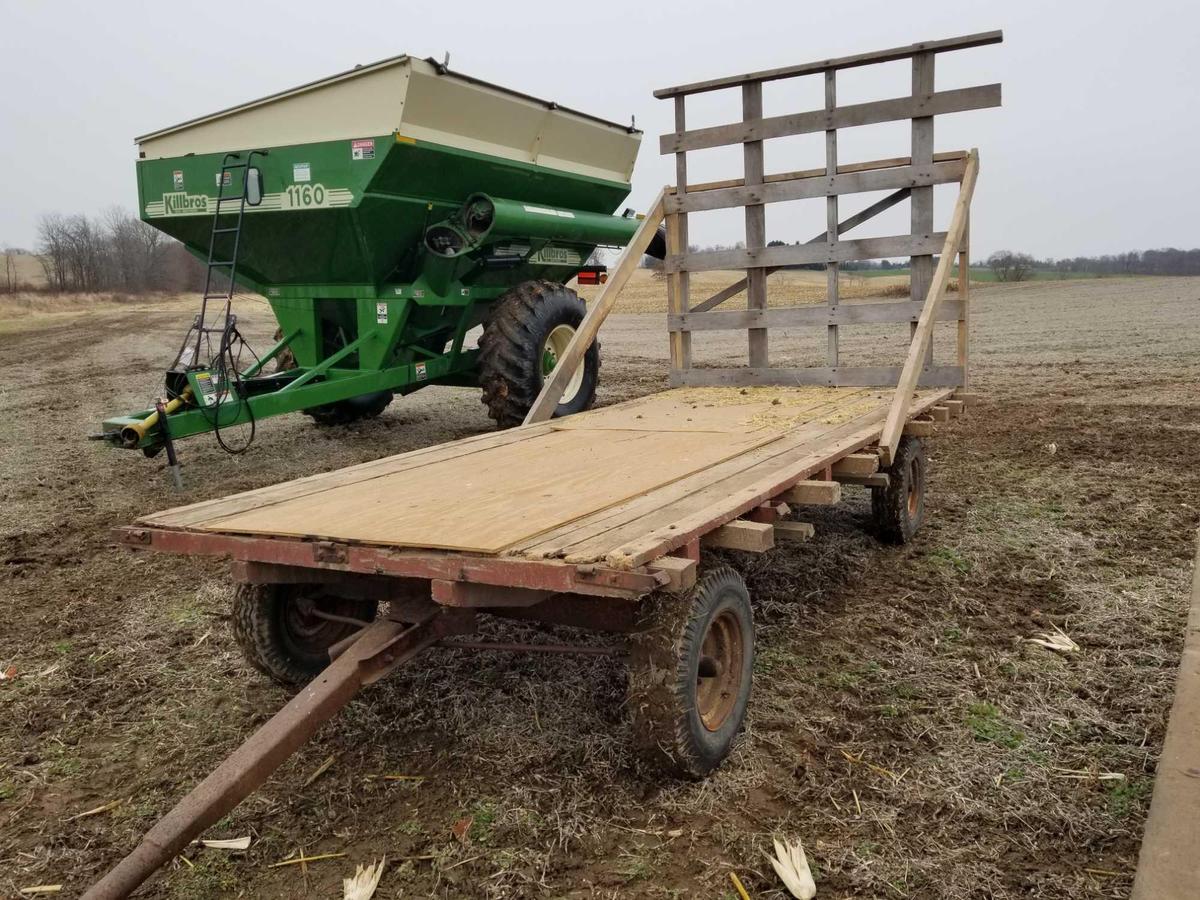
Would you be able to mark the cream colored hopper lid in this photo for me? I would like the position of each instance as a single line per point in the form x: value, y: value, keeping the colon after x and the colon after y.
x: 419, y: 99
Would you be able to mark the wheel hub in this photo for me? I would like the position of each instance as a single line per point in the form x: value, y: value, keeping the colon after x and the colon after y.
x: 553, y: 349
x: 719, y: 670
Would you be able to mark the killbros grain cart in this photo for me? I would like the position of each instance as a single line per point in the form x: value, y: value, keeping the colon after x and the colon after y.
x: 383, y: 213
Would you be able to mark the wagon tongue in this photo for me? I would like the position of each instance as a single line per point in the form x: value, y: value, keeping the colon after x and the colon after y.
x: 378, y: 649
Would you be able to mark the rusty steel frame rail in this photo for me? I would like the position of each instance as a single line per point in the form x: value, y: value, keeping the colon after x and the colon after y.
x: 509, y: 572
x: 380, y: 648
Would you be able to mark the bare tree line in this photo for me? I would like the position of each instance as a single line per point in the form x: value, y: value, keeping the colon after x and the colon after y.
x: 112, y: 252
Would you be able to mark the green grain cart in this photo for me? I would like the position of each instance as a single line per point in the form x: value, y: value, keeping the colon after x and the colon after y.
x: 383, y: 213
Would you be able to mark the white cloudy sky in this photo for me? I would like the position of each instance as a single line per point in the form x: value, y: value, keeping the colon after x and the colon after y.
x: 1093, y: 151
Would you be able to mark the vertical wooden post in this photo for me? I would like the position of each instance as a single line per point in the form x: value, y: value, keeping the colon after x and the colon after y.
x: 831, y: 217
x: 921, y: 267
x: 678, y: 283
x: 681, y: 341
x: 756, y: 223
x: 964, y: 298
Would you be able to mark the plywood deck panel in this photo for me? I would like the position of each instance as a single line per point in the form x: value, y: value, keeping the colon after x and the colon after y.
x: 486, y: 501
x: 581, y: 488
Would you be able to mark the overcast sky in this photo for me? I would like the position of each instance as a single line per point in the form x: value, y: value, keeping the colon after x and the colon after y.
x: 1094, y: 151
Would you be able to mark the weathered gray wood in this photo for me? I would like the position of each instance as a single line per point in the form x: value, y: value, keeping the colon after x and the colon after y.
x: 843, y: 376
x: 921, y: 266
x: 918, y: 176
x: 794, y: 532
x: 843, y: 169
x: 869, y: 213
x: 799, y: 316
x: 756, y: 222
x: 679, y: 283
x: 963, y: 337
x: 797, y: 254
x: 895, y: 109
x: 844, y: 62
x: 831, y: 220
x: 853, y: 222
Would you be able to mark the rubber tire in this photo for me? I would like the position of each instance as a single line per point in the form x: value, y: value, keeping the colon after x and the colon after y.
x: 668, y: 732
x: 257, y: 618
x: 342, y: 412
x: 895, y: 520
x: 510, y: 351
x: 355, y: 409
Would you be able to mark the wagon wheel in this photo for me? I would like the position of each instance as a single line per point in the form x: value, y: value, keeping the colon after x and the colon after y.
x: 690, y: 672
x: 528, y: 331
x: 899, y: 508
x: 286, y: 630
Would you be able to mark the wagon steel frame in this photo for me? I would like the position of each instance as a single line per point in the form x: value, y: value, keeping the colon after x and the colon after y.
x: 438, y: 595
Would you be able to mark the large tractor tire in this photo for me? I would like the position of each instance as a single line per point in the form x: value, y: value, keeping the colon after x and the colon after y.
x: 899, y: 508
x: 281, y: 631
x: 690, y: 668
x: 527, y: 332
x: 343, y: 412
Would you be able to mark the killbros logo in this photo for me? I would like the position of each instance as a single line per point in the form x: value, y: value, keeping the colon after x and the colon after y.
x: 184, y: 204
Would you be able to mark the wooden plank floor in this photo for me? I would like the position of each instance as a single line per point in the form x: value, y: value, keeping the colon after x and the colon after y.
x: 602, y: 484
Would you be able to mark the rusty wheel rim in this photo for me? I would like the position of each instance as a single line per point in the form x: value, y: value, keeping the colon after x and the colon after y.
x: 719, y: 671
x: 914, y: 488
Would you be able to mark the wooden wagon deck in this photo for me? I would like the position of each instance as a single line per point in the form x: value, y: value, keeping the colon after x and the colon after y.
x: 620, y: 485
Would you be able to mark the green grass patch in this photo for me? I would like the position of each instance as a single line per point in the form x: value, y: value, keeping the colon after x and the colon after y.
x: 1127, y: 797
x: 211, y: 874
x: 986, y: 724
x: 950, y: 559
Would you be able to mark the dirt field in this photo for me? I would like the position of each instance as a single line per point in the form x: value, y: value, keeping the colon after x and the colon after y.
x: 900, y: 725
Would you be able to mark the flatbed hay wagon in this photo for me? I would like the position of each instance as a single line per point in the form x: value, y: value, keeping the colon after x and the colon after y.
x: 603, y: 520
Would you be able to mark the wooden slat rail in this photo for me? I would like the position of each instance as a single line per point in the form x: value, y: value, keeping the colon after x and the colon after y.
x: 907, y: 382
x: 553, y: 386
x: 853, y: 222
x: 800, y: 254
x: 852, y: 116
x: 808, y: 187
x: 845, y: 62
x: 796, y: 316
x: 845, y: 169
x: 911, y: 178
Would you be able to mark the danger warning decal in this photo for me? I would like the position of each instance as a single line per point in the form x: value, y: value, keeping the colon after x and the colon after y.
x: 362, y: 149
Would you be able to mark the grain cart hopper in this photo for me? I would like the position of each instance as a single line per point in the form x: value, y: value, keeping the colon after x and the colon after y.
x: 383, y: 213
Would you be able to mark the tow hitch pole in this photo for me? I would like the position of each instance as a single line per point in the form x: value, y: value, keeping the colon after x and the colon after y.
x: 380, y: 647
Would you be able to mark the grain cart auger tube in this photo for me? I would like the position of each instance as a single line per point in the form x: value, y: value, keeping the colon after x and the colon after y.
x: 383, y: 213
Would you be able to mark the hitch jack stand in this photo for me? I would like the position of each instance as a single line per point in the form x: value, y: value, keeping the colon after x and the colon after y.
x: 172, y: 459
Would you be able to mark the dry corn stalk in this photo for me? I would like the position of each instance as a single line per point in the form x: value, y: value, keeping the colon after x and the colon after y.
x: 791, y: 865
x: 1058, y: 640
x: 242, y: 843
x: 362, y: 885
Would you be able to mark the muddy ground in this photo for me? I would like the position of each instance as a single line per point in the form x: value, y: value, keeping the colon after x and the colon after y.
x: 900, y: 725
